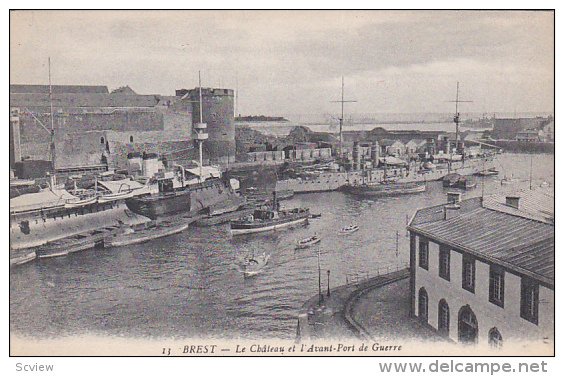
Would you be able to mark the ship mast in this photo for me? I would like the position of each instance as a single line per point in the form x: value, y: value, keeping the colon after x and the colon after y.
x: 457, y: 114
x: 52, y: 146
x: 342, y: 118
x: 201, y: 121
x: 201, y: 127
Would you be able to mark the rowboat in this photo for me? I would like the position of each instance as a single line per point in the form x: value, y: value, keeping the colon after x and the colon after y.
x: 308, y: 242
x: 349, y: 229
x: 254, y: 265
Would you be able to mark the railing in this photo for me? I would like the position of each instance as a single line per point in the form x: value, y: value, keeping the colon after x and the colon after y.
x: 362, y: 276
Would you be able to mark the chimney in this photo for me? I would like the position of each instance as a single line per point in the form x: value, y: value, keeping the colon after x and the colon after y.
x: 451, y: 209
x: 512, y: 201
x: 453, y: 197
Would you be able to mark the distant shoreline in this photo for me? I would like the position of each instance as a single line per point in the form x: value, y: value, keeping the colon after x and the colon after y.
x: 261, y: 118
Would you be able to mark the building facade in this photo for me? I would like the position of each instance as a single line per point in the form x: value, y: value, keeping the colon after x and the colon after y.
x: 482, y: 270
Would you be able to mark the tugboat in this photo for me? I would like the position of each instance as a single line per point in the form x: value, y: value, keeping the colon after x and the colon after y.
x: 266, y: 219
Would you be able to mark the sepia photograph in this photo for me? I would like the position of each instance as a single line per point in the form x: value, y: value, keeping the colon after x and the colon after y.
x: 282, y: 183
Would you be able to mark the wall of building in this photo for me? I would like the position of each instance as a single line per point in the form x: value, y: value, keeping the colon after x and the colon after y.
x: 175, y: 151
x: 265, y: 156
x: 82, y: 149
x: 507, y: 319
x: 308, y: 154
x: 507, y: 129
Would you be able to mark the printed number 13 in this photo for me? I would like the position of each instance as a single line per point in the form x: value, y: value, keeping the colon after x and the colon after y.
x: 166, y: 350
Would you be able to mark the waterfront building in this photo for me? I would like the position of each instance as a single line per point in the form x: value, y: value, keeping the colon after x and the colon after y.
x: 392, y: 147
x: 415, y: 146
x: 482, y: 269
x: 528, y: 135
x: 547, y: 132
x: 507, y: 129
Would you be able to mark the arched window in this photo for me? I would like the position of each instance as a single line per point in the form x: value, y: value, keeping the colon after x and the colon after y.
x: 130, y: 138
x: 494, y: 338
x: 423, y: 305
x: 467, y: 325
x: 102, y: 141
x: 444, y: 317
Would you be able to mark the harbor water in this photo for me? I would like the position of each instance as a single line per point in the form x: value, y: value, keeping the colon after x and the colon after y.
x: 189, y: 285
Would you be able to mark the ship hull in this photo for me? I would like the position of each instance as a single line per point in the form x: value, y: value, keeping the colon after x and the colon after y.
x: 33, y: 229
x: 384, y: 189
x: 332, y: 181
x: 188, y: 200
x: 270, y: 227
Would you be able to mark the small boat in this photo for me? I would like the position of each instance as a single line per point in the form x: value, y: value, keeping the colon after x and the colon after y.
x: 143, y: 233
x: 75, y: 243
x: 22, y: 256
x: 308, y: 242
x: 349, y: 229
x: 212, y: 220
x: 81, y: 202
x: 489, y: 172
x: 116, y: 196
x: 507, y: 181
x: 254, y: 265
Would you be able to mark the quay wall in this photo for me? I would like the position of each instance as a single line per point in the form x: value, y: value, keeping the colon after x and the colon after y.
x: 523, y: 146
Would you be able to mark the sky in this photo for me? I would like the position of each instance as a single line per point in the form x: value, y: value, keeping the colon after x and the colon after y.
x: 291, y: 62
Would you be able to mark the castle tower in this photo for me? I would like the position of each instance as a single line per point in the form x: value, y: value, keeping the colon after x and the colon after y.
x: 218, y: 107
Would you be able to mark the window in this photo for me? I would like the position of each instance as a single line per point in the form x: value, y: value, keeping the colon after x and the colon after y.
x: 497, y: 285
x: 130, y: 138
x: 424, y: 254
x: 102, y: 141
x: 494, y: 338
x: 468, y: 273
x: 444, y: 317
x: 530, y: 300
x: 444, y: 263
x: 423, y: 305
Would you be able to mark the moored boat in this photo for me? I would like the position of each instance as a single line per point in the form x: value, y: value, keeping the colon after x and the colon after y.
x: 489, y: 172
x: 384, y: 189
x: 74, y: 243
x: 144, y: 233
x: 22, y: 256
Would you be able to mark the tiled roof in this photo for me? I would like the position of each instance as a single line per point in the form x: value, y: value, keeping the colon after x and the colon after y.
x: 388, y: 142
x: 521, y: 244
x: 537, y: 204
